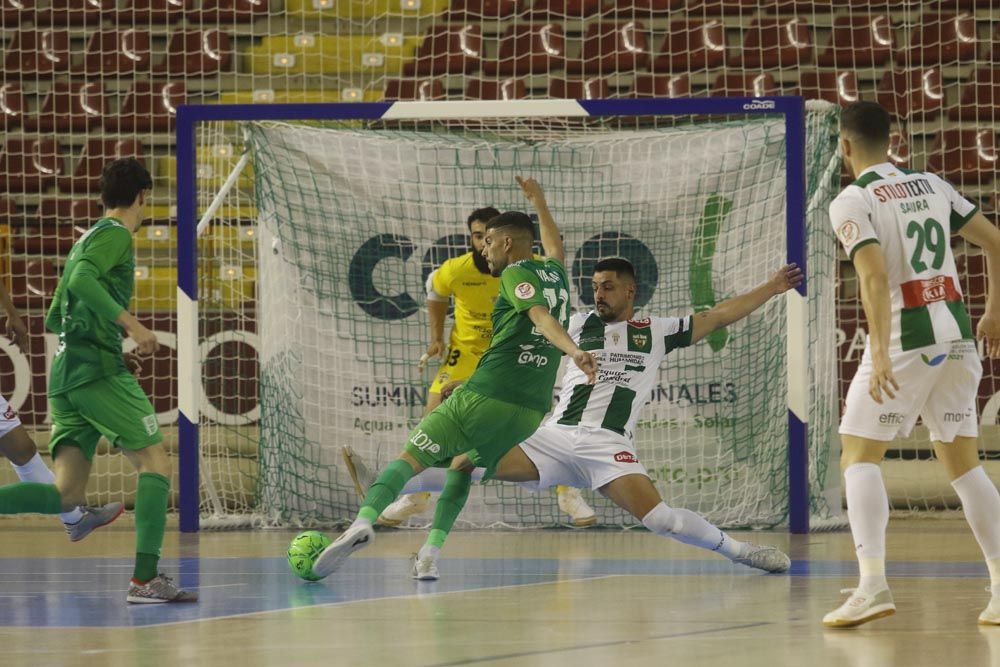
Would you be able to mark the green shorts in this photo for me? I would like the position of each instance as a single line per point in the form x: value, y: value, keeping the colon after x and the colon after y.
x: 469, y: 423
x: 114, y: 406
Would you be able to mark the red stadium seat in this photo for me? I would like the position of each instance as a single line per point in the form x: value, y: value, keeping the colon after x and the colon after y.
x: 15, y: 13
x: 69, y: 209
x: 148, y: 107
x: 139, y: 12
x: 196, y: 52
x: 564, y: 9
x: 96, y: 153
x: 980, y: 97
x: 69, y: 107
x: 221, y: 12
x: 776, y: 43
x: 38, y: 52
x: 9, y: 215
x: 594, y: 88
x: 859, y: 41
x: 447, y: 49
x: 661, y: 85
x: 972, y: 274
x: 965, y: 157
x: 899, y: 150
x: 698, y: 8
x: 30, y: 165
x: 90, y: 13
x: 626, y: 9
x: 528, y: 49
x: 691, y: 46
x: 504, y: 89
x: 916, y: 93
x: 941, y: 39
x: 11, y: 106
x: 837, y: 87
x: 475, y: 10
x: 114, y: 52
x: 414, y: 89
x: 60, y: 222
x: 33, y: 282
x: 744, y: 85
x: 611, y: 47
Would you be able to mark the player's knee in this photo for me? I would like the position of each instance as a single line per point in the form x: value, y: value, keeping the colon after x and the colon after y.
x: 18, y: 446
x: 152, y: 459
x: 662, y: 520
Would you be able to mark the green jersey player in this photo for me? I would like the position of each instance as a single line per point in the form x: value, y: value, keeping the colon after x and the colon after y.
x: 505, y: 399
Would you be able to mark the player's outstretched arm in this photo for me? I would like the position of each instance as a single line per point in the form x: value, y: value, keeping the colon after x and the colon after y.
x: 16, y: 330
x: 551, y: 241
x: 982, y: 233
x: 869, y: 262
x: 437, y: 311
x: 735, y: 309
x: 549, y: 327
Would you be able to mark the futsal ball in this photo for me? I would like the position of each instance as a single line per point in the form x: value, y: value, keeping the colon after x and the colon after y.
x: 303, y: 552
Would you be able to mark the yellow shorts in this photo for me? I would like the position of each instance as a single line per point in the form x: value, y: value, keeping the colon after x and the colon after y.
x: 459, y: 363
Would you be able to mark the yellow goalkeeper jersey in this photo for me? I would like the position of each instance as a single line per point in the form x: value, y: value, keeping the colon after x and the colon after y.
x: 474, y: 294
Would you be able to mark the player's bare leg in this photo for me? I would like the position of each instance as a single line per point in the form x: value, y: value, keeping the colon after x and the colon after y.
x: 868, y: 513
x: 981, y: 505
x: 410, y: 504
x: 637, y: 495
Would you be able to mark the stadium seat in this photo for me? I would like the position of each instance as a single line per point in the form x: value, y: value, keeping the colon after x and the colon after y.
x: 196, y: 52
x: 140, y: 12
x: 69, y: 107
x: 11, y: 106
x: 476, y: 10
x: 57, y: 225
x: 698, y: 8
x: 661, y: 85
x: 915, y: 93
x: 30, y: 165
x: 221, y: 12
x: 965, y: 157
x: 268, y: 96
x: 15, y: 13
x: 594, y: 88
x: 33, y: 282
x: 116, y: 52
x: 529, y: 49
x: 542, y: 10
x: 213, y: 162
x: 611, y: 47
x: 744, y: 85
x: 837, y: 87
x: 972, y: 275
x: 308, y: 53
x: 941, y: 39
x: 69, y: 209
x: 365, y: 10
x: 97, y: 152
x: 627, y: 9
x: 37, y: 52
x: 9, y: 214
x: 899, y: 150
x: 504, y: 89
x: 155, y: 289
x: 859, y: 41
x: 769, y: 43
x: 89, y: 13
x: 148, y: 107
x: 980, y: 97
x: 447, y: 49
x: 414, y: 89
x: 691, y: 46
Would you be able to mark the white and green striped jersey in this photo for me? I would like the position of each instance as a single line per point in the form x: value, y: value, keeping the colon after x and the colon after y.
x: 912, y: 216
x: 628, y: 356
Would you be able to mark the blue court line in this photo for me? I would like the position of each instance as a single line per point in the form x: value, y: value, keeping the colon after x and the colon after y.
x: 90, y: 592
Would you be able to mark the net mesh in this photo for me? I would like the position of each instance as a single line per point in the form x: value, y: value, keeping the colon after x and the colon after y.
x: 351, y: 220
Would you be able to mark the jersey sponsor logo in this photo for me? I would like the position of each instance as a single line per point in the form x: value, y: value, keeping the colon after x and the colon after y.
x: 423, y: 442
x: 954, y: 417
x: 890, y: 418
x: 149, y: 423
x: 848, y: 232
x: 640, y: 324
x: 626, y: 457
x: 10, y: 415
x: 531, y: 359
x: 933, y: 361
x: 524, y: 291
x: 931, y: 290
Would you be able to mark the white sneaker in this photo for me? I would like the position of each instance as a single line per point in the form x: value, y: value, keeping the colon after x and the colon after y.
x: 991, y: 615
x: 360, y: 474
x: 425, y: 569
x: 763, y: 557
x: 353, y: 539
x: 404, y: 507
x: 860, y: 608
x: 572, y: 503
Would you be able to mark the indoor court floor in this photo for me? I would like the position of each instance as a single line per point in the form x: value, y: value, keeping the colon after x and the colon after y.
x: 540, y: 597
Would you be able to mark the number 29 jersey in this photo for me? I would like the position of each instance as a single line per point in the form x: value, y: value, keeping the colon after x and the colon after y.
x: 912, y: 215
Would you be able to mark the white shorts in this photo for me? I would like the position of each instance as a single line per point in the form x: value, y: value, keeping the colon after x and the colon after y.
x: 8, y: 418
x: 938, y: 383
x: 580, y: 457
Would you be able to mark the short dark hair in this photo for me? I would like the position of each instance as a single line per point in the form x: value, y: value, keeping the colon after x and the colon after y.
x: 482, y: 215
x: 866, y: 121
x: 515, y: 219
x: 619, y: 265
x: 122, y: 180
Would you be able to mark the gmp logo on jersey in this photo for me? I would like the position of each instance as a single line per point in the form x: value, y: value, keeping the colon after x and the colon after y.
x: 524, y: 290
x: 848, y: 232
x: 626, y: 457
x: 423, y: 442
x: 933, y: 361
x: 531, y: 359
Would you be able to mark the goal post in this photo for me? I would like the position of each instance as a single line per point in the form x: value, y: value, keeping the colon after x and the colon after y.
x: 809, y: 181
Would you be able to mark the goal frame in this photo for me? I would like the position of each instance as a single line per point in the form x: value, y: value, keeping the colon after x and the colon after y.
x: 189, y: 363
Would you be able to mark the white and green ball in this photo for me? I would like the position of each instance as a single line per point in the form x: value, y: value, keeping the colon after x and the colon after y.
x: 303, y: 552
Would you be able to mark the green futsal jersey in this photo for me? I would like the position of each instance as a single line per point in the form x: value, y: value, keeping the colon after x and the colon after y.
x: 520, y: 364
x: 96, y: 286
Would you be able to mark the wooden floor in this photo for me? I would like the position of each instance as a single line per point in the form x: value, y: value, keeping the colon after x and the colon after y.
x: 548, y: 597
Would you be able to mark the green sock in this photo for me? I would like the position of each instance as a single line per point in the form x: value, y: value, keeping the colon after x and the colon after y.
x: 385, y: 489
x: 150, y: 523
x: 22, y: 497
x: 449, y: 506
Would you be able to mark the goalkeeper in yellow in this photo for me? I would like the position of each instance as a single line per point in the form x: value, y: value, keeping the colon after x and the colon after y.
x: 467, y: 278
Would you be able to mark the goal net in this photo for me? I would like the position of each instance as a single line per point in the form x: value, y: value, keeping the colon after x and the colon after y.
x: 314, y: 270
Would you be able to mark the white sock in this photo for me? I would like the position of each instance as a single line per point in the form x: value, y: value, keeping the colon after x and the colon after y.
x: 35, y: 470
x: 690, y: 528
x: 981, y: 505
x: 428, y: 550
x: 868, y: 512
x: 433, y: 479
